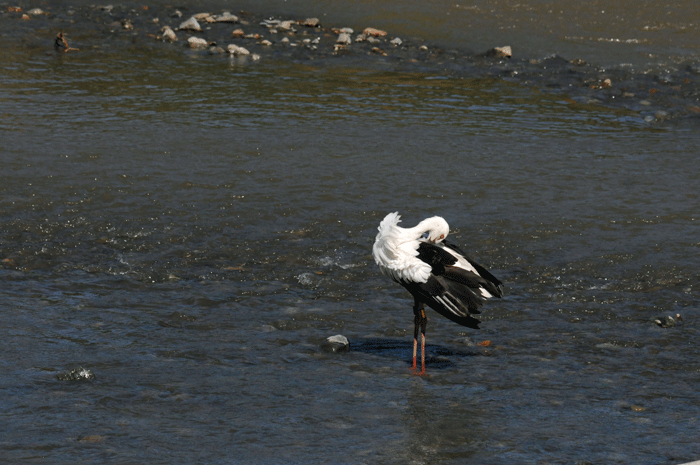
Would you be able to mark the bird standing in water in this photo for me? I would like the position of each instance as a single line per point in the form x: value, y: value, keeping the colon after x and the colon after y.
x: 435, y: 272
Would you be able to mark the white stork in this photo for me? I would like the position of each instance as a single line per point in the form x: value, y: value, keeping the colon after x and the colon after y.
x: 434, y: 271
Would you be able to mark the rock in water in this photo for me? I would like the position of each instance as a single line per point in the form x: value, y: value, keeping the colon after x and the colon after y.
x: 196, y: 42
x: 76, y: 374
x: 344, y: 38
x: 234, y: 49
x: 370, y: 31
x: 310, y: 22
x: 667, y: 321
x: 337, y: 343
x: 226, y: 17
x: 168, y: 34
x: 191, y: 25
x: 500, y: 52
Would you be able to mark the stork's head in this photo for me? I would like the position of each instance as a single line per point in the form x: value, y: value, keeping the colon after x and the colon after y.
x: 435, y: 229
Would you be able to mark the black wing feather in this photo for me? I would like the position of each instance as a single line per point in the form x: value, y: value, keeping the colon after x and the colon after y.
x: 497, y: 288
x: 452, y: 291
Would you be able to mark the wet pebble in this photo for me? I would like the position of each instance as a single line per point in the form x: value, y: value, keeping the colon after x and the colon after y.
x: 238, y: 33
x: 396, y: 42
x: 76, y: 374
x: 337, y: 343
x: 191, y: 25
x: 35, y: 11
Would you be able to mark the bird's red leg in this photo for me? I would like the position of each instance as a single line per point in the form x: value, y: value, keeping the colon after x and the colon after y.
x: 423, y: 324
x: 415, y: 340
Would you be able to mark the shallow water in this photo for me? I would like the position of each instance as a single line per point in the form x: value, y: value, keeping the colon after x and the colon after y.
x: 191, y: 228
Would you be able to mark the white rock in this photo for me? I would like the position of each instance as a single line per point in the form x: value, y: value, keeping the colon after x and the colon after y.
x: 500, y: 52
x: 338, y: 339
x: 196, y: 42
x: 168, y: 34
x: 191, y: 25
x: 396, y: 42
x: 234, y: 49
x: 286, y: 25
x: 344, y: 38
x: 226, y: 17
x: 35, y: 11
x: 337, y: 343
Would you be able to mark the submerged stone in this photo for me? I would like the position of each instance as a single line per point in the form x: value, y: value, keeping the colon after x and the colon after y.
x: 76, y: 374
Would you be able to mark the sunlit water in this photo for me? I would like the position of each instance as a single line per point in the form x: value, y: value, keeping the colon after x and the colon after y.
x: 191, y: 228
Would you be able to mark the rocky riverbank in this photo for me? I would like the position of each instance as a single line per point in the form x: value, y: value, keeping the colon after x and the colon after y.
x: 249, y: 38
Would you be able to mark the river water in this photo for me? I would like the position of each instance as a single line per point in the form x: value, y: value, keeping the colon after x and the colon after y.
x: 190, y: 228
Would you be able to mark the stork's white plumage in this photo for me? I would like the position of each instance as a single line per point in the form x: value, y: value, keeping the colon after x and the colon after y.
x: 435, y: 272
